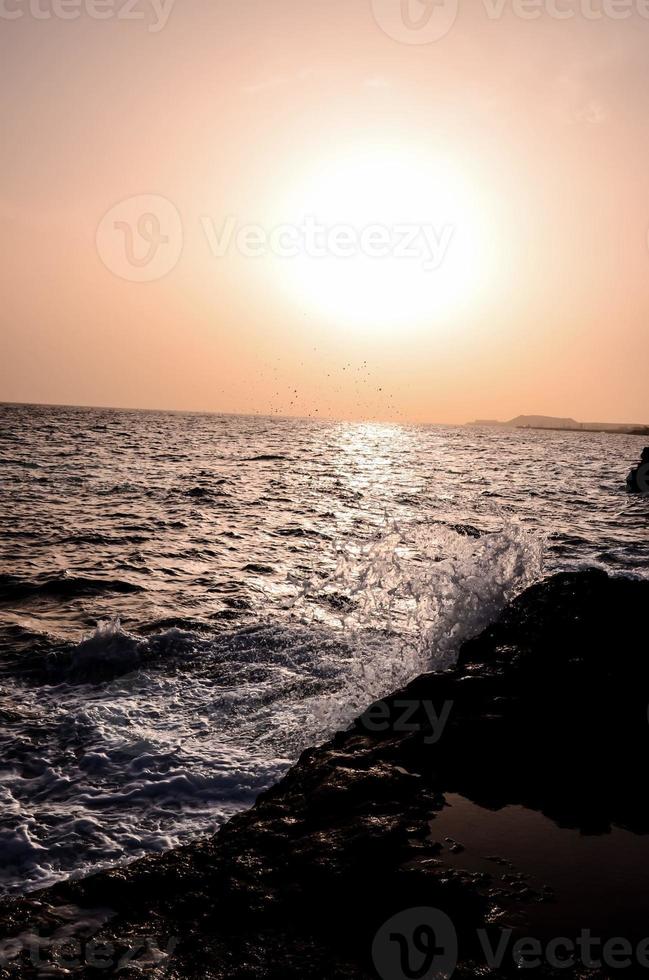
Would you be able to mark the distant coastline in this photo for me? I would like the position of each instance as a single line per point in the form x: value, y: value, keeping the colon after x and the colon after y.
x: 565, y: 425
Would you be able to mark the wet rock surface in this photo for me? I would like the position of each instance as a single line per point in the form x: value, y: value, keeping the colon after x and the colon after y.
x: 546, y: 709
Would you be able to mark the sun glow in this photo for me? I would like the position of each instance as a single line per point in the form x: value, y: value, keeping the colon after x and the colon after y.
x: 384, y: 239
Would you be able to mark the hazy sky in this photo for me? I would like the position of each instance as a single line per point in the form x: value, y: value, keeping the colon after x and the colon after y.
x: 344, y: 207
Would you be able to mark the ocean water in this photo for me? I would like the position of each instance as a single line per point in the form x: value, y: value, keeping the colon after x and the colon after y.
x: 187, y: 601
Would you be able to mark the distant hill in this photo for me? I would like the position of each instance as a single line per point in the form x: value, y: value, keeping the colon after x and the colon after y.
x: 542, y: 422
x: 567, y: 424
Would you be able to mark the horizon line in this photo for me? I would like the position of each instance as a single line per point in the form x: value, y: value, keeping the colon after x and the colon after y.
x: 309, y: 418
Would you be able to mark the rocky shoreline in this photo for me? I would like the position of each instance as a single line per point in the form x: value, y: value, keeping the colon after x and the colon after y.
x: 338, y: 868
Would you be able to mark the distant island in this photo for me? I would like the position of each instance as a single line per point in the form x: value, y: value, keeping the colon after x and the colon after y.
x: 565, y: 425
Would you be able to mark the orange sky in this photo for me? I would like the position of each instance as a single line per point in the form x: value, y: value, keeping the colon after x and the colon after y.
x: 518, y: 139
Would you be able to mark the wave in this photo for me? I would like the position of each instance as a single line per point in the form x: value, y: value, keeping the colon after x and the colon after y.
x: 108, y: 653
x: 301, y: 532
x: 144, y: 740
x: 13, y: 588
x: 205, y: 493
x: 111, y: 650
x: 105, y: 539
x: 265, y: 458
x: 405, y: 606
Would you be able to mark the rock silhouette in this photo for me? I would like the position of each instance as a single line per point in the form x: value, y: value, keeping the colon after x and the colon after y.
x: 638, y: 479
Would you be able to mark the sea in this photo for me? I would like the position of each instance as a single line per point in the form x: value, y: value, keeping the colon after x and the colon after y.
x: 188, y: 601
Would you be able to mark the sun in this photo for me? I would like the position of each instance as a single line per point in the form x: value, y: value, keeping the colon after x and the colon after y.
x: 378, y: 239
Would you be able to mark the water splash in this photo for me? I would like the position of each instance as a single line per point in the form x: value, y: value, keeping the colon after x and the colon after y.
x: 405, y: 604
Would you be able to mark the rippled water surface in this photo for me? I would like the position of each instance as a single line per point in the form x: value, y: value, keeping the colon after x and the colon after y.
x: 187, y: 601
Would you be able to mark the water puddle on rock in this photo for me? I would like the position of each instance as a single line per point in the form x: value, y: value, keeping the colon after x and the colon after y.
x: 559, y: 881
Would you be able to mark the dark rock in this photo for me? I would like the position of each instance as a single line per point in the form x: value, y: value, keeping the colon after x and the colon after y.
x: 549, y: 711
x: 638, y: 479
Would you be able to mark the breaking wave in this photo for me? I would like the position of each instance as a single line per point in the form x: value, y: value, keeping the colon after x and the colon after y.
x: 127, y: 744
